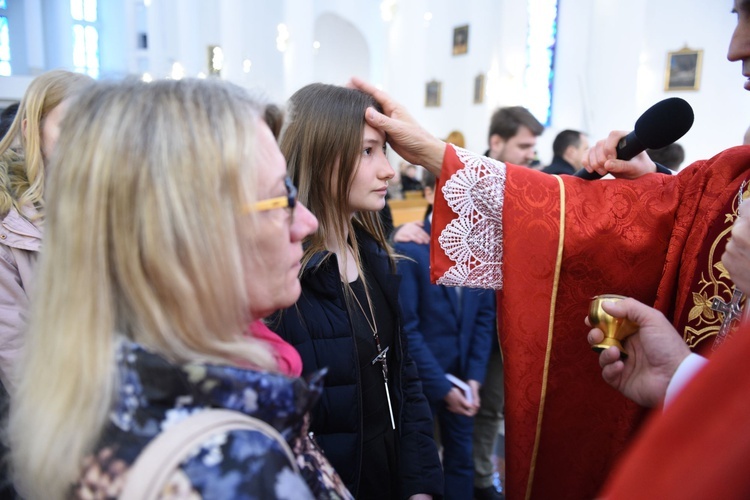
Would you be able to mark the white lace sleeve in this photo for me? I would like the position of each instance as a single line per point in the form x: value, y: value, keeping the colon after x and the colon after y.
x: 474, y: 241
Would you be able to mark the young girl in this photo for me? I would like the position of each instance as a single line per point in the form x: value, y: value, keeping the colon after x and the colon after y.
x: 372, y: 421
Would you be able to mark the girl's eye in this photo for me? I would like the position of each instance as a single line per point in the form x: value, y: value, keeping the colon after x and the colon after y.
x: 367, y: 151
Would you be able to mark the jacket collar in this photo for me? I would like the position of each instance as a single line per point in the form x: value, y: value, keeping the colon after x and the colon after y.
x: 324, y: 279
x: 19, y: 232
x: 148, y: 381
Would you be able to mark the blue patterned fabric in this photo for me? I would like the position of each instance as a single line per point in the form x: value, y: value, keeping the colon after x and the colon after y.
x: 154, y: 394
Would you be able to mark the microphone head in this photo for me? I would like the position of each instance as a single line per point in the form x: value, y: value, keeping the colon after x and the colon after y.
x: 664, y: 123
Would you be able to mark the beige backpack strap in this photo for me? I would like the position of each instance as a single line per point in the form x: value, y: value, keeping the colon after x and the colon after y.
x: 157, y: 462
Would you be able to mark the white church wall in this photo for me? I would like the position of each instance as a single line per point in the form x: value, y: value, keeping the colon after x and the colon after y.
x: 616, y: 69
x: 609, y: 66
x: 721, y: 105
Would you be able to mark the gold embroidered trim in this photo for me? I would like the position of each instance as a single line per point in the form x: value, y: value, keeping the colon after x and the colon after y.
x: 715, y: 282
x: 548, y: 354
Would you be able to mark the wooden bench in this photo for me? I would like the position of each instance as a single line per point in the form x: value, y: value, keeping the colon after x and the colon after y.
x: 408, y: 210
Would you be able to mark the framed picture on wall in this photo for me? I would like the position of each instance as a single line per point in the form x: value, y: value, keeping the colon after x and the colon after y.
x: 460, y: 40
x: 432, y: 94
x: 683, y: 70
x: 479, y: 89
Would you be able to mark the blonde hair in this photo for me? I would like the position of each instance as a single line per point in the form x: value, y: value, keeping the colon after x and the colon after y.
x: 23, y: 178
x: 145, y: 239
x: 456, y: 138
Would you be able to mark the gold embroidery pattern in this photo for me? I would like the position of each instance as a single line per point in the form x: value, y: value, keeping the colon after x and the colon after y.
x: 703, y: 322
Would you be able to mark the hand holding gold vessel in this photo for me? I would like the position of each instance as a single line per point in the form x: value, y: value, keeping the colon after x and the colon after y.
x: 615, y: 329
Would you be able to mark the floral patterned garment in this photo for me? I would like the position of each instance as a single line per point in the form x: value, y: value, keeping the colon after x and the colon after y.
x: 155, y: 394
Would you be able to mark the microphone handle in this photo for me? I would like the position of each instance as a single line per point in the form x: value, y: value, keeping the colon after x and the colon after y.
x: 628, y: 147
x: 589, y: 176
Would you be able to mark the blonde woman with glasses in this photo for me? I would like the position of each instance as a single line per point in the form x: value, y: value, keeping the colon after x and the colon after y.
x: 171, y: 227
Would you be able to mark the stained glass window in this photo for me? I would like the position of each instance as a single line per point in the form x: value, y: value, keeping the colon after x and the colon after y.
x: 5, y: 68
x: 540, y: 71
x: 85, y: 37
x: 83, y: 10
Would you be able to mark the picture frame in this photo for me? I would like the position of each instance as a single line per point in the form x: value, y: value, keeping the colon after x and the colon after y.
x: 683, y: 70
x: 461, y: 40
x: 479, y: 88
x: 432, y: 96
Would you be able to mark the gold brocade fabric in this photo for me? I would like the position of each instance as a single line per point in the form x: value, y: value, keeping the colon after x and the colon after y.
x: 657, y: 239
x: 711, y: 281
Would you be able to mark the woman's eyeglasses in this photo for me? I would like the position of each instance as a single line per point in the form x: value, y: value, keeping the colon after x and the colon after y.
x: 289, y: 201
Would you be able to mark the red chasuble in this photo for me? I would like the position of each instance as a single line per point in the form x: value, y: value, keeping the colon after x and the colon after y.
x: 700, y: 446
x: 551, y: 243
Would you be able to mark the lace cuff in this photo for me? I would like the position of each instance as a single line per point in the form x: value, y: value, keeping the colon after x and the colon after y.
x: 474, y: 240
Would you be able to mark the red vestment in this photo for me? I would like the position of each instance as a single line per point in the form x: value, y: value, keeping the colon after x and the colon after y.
x: 564, y: 424
x: 700, y: 446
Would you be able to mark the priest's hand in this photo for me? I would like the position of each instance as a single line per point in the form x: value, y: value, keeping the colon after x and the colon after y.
x: 655, y: 352
x: 736, y: 257
x: 407, y: 138
x: 456, y: 402
x: 602, y: 158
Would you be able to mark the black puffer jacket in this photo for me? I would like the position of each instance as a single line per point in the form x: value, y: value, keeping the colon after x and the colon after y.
x: 319, y: 327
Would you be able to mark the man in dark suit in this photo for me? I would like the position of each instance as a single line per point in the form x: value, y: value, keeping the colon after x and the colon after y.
x: 568, y: 148
x: 449, y: 332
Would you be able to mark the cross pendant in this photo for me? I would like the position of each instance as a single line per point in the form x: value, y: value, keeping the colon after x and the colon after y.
x: 382, y: 359
x: 731, y: 312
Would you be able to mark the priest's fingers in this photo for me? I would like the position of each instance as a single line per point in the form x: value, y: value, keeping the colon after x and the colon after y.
x: 413, y: 143
x: 609, y: 356
x: 612, y: 373
x: 389, y: 105
x: 656, y: 347
x: 595, y: 336
x: 595, y: 158
x: 602, y: 151
x: 637, y: 312
x: 631, y: 169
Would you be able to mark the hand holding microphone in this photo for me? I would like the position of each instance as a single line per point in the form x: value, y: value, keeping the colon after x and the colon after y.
x: 623, y: 154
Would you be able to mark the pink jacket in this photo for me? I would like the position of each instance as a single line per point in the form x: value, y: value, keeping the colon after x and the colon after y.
x: 20, y: 241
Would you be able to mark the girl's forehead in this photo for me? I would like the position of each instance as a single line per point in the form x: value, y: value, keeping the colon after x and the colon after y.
x: 372, y: 133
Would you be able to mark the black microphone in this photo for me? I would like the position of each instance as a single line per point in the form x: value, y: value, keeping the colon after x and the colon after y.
x: 659, y: 126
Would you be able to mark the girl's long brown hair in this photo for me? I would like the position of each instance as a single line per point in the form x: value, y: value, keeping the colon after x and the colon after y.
x: 326, y: 128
